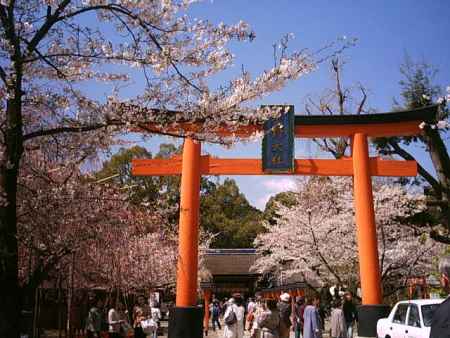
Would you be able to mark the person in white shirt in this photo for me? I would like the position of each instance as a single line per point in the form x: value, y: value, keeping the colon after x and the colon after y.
x: 114, y: 321
x: 235, y: 310
x: 156, y: 317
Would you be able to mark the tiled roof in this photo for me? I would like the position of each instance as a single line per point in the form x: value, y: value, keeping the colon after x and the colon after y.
x: 230, y: 261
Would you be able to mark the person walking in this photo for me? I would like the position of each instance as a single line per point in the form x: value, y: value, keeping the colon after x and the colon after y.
x: 94, y: 319
x: 155, y: 316
x: 114, y: 321
x: 215, y: 315
x: 125, y: 326
x: 312, y: 323
x: 285, y: 309
x: 257, y: 312
x: 299, y: 309
x: 338, y: 328
x: 350, y: 313
x: 250, y: 314
x: 251, y: 305
x: 234, y: 318
x: 440, y: 325
x: 141, y: 311
x: 269, y: 320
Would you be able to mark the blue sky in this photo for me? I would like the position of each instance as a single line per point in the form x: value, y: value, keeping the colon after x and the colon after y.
x: 386, y: 30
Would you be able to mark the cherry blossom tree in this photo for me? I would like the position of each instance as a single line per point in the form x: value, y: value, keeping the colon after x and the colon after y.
x: 62, y: 212
x: 316, y: 237
x: 79, y: 233
x: 51, y: 49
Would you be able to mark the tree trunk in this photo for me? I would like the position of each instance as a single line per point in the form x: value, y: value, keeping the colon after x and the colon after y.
x: 10, y: 295
x: 441, y: 162
x: 70, y: 296
x: 36, y: 312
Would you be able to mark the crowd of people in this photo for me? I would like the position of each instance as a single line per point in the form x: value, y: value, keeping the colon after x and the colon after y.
x: 272, y: 318
x: 267, y: 318
x: 116, y: 320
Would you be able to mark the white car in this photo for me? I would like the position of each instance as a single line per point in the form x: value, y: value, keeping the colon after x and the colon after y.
x: 409, y: 319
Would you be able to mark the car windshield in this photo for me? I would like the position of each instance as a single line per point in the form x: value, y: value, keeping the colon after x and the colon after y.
x: 427, y: 313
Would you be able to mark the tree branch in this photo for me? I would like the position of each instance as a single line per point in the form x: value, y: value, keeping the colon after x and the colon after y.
x: 126, y: 12
x: 440, y: 238
x: 422, y: 172
x: 48, y: 62
x: 48, y: 24
x: 61, y: 130
x: 340, y: 94
x: 363, y: 101
x: 3, y: 76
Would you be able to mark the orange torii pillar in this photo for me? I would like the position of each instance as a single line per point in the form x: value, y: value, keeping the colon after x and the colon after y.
x: 365, y: 222
x: 186, y: 318
x: 371, y: 308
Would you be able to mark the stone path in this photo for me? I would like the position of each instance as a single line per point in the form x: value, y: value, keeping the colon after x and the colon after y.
x: 211, y: 333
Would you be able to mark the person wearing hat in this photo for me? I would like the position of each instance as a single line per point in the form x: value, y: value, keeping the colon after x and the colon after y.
x: 299, y: 309
x: 284, y: 307
x: 440, y: 326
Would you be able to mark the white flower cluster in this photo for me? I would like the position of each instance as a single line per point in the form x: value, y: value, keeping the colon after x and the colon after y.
x: 316, y: 237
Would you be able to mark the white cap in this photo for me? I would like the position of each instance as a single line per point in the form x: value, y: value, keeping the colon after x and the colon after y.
x: 285, y: 297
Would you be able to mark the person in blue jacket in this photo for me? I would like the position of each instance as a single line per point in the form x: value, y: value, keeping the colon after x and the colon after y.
x: 312, y: 323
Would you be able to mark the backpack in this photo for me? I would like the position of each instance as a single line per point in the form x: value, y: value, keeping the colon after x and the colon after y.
x: 231, y: 319
x: 215, y: 311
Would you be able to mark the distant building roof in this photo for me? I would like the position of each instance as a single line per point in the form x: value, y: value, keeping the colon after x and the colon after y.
x: 230, y: 261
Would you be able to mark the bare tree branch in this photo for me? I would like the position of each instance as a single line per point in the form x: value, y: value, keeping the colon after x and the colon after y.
x: 3, y: 76
x: 339, y: 92
x: 421, y: 170
x: 363, y: 101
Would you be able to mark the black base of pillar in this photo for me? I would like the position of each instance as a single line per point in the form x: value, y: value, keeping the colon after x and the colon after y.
x: 368, y: 316
x: 186, y: 322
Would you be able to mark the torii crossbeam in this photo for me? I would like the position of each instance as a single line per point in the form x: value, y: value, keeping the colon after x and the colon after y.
x: 185, y: 319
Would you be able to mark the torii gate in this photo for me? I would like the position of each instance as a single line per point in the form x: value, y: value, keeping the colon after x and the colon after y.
x: 186, y: 318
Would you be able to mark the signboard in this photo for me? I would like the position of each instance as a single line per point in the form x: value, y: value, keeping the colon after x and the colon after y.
x: 278, y: 142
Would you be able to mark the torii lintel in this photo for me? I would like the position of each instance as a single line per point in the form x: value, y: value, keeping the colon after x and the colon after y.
x: 245, y: 166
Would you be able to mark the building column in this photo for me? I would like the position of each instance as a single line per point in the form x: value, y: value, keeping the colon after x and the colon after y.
x: 371, y: 308
x: 207, y: 301
x: 186, y: 319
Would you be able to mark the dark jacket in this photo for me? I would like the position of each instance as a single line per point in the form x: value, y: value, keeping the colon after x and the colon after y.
x: 285, y: 313
x: 299, y: 310
x: 350, y: 313
x: 440, y: 326
x: 269, y: 323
